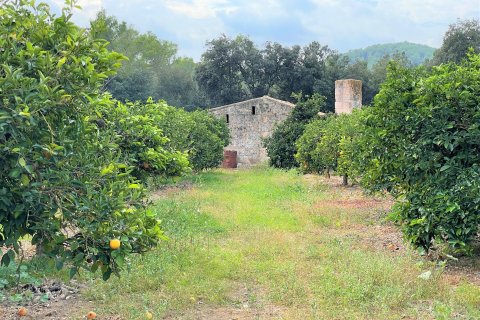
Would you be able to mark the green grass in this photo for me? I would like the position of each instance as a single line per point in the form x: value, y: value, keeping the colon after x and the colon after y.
x: 257, y: 238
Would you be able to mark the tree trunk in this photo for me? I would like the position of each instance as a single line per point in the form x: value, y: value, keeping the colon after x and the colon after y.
x: 345, y: 180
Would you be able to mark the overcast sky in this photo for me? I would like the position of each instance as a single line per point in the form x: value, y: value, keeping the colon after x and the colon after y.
x: 340, y: 24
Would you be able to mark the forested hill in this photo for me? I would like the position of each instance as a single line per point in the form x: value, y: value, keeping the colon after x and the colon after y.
x: 416, y: 53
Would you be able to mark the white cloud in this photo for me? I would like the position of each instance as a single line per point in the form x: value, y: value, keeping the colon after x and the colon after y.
x: 265, y: 9
x: 201, y: 9
x: 326, y: 2
x: 90, y: 7
x: 429, y: 10
x: 344, y: 23
x: 340, y: 24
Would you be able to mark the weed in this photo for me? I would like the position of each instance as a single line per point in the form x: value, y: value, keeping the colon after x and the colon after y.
x: 255, y: 238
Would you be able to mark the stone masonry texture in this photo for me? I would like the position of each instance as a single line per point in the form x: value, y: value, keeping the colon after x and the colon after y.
x: 348, y: 95
x: 250, y: 122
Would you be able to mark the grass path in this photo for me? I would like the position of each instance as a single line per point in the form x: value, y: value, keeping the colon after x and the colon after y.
x: 268, y: 244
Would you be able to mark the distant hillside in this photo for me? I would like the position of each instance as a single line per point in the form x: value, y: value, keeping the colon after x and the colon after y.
x: 416, y: 53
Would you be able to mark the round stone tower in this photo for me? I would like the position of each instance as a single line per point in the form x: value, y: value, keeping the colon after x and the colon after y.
x: 348, y: 95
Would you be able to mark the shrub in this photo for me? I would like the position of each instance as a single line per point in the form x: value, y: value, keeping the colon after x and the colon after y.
x: 142, y: 141
x: 62, y: 179
x: 423, y: 138
x: 176, y: 125
x: 350, y: 145
x: 280, y: 146
x: 307, y: 143
x: 208, y: 137
x: 329, y: 144
x: 199, y: 134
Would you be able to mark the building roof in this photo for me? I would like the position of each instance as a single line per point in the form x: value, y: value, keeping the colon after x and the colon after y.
x: 255, y: 101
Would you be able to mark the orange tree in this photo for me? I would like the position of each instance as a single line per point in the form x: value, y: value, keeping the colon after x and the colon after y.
x: 327, y: 144
x: 307, y: 144
x: 142, y: 140
x: 198, y: 134
x: 421, y: 143
x: 62, y: 178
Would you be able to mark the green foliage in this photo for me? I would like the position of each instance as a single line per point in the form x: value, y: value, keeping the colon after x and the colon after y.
x: 352, y: 144
x: 371, y: 76
x: 422, y: 135
x: 200, y: 135
x: 328, y: 144
x: 457, y: 41
x: 176, y: 125
x: 152, y: 69
x: 226, y: 66
x: 63, y: 181
x: 281, y: 145
x: 232, y: 70
x: 416, y: 53
x: 178, y: 87
x: 12, y: 277
x: 208, y: 138
x: 141, y: 140
x: 307, y: 143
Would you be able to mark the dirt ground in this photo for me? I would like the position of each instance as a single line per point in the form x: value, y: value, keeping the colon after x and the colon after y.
x: 243, y: 309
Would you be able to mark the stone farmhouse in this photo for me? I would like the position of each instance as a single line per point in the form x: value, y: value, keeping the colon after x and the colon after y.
x: 249, y: 122
x: 253, y: 120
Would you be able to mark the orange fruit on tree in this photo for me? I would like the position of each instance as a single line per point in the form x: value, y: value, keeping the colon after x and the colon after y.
x: 22, y: 312
x: 91, y: 315
x: 148, y: 315
x: 115, y: 244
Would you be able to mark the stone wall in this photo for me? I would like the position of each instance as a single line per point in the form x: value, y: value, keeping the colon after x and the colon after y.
x: 249, y: 122
x: 348, y: 95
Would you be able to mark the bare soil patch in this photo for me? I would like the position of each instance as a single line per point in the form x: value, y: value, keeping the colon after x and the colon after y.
x: 382, y: 237
x: 466, y: 269
x: 27, y: 249
x: 360, y: 203
x: 62, y: 299
x: 230, y: 313
x: 170, y: 190
x: 386, y: 236
x: 246, y: 303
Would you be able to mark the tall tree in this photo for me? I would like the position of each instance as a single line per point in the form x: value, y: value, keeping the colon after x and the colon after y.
x: 335, y: 65
x: 457, y: 40
x: 314, y: 74
x: 152, y: 69
x: 289, y: 75
x: 218, y: 73
x: 251, y: 67
x: 231, y: 70
x: 273, y: 59
x: 177, y: 84
x: 235, y: 69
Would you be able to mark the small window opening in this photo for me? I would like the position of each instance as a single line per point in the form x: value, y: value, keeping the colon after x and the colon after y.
x: 253, y: 110
x: 227, y: 118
